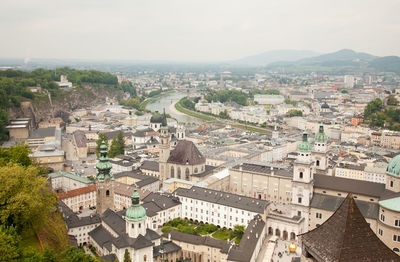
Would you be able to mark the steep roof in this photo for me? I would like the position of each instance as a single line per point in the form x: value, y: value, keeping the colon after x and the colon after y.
x: 186, y: 152
x: 346, y: 236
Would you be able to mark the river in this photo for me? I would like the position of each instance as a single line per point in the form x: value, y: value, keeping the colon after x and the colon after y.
x: 167, y: 101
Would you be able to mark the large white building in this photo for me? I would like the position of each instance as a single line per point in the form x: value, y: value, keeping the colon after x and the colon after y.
x: 219, y: 208
x: 269, y: 99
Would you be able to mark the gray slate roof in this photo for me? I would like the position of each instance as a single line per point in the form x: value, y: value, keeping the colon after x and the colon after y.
x: 101, y: 236
x: 198, y: 240
x: 42, y: 132
x: 251, y: 236
x: 169, y: 247
x: 331, y: 203
x: 114, y: 221
x: 72, y: 220
x: 349, y: 185
x: 264, y: 169
x: 222, y: 198
x: 144, y: 179
x: 150, y: 165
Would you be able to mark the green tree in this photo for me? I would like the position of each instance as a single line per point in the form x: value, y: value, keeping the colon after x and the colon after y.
x: 49, y: 255
x: 121, y: 143
x: 117, y: 145
x: 102, y: 137
x: 31, y: 255
x: 372, y: 107
x: 392, y: 101
x: 8, y: 244
x: 127, y: 256
x: 25, y: 196
x: 3, y: 124
x: 73, y: 254
x: 224, y: 115
x: 294, y: 112
x: 18, y: 154
x: 114, y: 148
x: 238, y: 231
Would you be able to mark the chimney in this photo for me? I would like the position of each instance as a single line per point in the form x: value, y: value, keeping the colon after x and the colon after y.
x: 169, y: 236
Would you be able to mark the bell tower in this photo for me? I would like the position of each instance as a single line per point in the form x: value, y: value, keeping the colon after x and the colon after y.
x: 320, y: 149
x: 164, y: 146
x: 303, y: 180
x: 104, y: 182
x: 180, y: 132
x: 135, y: 217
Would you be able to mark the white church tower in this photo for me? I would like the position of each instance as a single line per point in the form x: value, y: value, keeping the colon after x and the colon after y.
x: 320, y: 149
x: 303, y: 181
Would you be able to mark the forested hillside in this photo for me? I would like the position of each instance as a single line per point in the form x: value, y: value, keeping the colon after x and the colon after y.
x: 14, y: 88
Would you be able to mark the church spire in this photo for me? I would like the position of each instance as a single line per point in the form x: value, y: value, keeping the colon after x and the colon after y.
x: 104, y: 166
x: 164, y: 120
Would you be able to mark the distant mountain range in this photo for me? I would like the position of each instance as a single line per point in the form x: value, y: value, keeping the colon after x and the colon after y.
x: 345, y: 59
x: 274, y: 56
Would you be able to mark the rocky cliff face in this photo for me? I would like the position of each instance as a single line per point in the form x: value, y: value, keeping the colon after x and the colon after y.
x: 45, y: 107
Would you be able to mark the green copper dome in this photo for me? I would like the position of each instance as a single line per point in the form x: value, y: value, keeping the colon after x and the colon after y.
x: 304, y: 145
x: 135, y: 212
x: 320, y: 136
x: 103, y: 166
x: 394, y: 166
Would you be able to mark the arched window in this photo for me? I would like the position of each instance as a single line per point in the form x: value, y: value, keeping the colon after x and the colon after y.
x: 301, y: 175
x: 179, y: 172
x: 317, y: 162
x: 133, y: 225
x: 144, y: 258
x: 187, y: 174
x: 172, y: 171
x: 196, y: 170
x: 107, y: 193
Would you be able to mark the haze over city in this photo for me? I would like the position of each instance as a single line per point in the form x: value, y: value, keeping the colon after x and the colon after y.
x: 194, y: 31
x: 203, y: 131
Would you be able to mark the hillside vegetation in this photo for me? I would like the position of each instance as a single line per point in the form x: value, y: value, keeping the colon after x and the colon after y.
x: 379, y: 115
x: 14, y: 88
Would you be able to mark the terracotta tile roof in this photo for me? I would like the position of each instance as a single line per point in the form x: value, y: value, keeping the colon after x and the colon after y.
x: 77, y: 192
x: 346, y: 236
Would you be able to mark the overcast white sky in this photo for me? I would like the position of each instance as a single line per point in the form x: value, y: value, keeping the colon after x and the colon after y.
x: 189, y: 30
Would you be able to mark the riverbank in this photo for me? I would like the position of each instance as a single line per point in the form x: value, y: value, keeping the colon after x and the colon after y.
x: 151, y: 99
x: 192, y: 113
x: 183, y: 110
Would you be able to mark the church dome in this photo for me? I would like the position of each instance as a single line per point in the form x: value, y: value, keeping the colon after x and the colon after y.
x: 156, y: 118
x: 325, y: 105
x: 304, y: 145
x: 394, y: 166
x: 135, y: 212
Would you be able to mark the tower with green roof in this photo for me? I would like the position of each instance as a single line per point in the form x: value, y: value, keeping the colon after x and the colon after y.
x: 164, y: 146
x: 104, y: 182
x: 303, y: 180
x: 135, y: 217
x: 320, y: 149
x: 393, y: 174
